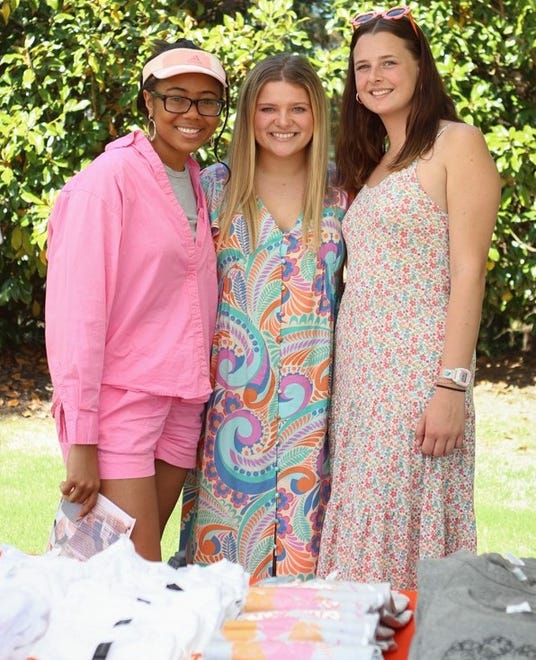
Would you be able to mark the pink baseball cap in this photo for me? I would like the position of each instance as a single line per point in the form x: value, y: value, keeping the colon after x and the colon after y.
x: 184, y: 60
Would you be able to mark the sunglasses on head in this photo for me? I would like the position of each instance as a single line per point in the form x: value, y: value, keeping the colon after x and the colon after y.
x: 394, y: 14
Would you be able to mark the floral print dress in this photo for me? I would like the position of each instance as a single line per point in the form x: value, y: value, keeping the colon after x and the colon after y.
x: 263, y: 481
x: 390, y: 505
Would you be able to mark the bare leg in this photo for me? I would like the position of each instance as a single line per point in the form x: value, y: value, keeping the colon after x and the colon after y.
x: 138, y: 498
x: 169, y: 482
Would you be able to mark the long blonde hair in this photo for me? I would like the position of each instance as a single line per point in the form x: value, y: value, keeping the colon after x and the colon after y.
x: 240, y: 193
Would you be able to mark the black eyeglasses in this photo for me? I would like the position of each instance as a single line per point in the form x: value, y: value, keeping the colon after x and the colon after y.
x: 179, y: 105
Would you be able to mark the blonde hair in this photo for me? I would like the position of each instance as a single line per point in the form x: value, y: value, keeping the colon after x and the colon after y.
x: 239, y: 193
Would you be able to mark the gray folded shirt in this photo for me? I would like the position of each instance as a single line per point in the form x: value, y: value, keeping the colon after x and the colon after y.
x: 475, y: 608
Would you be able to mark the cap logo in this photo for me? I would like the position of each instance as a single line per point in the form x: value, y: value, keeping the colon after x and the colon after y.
x: 194, y: 59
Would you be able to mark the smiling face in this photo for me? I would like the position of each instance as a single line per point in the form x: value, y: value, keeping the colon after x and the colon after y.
x: 283, y: 122
x: 179, y: 135
x: 385, y: 72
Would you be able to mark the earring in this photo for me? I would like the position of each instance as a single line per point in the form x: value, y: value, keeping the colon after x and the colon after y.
x: 357, y: 98
x: 151, y: 129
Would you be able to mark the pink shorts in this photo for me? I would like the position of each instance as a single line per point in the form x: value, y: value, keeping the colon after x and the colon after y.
x: 135, y: 428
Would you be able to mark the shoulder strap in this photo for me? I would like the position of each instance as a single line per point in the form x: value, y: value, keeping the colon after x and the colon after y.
x: 441, y: 131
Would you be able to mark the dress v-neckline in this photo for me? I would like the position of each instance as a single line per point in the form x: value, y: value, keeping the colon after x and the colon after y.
x: 266, y: 212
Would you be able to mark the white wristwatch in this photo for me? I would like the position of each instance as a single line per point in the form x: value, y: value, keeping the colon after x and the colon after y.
x: 459, y: 376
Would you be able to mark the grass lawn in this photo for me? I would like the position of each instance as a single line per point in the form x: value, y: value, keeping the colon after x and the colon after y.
x: 505, y: 483
x: 31, y: 469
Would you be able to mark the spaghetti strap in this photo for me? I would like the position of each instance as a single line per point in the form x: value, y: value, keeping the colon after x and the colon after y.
x: 441, y: 131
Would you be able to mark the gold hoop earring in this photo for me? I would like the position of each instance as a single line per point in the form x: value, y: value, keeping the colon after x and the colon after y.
x: 151, y: 129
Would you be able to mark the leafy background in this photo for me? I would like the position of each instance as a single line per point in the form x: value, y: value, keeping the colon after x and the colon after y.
x: 69, y: 79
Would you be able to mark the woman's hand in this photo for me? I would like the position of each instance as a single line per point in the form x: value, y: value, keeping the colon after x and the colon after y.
x: 441, y: 428
x: 82, y: 483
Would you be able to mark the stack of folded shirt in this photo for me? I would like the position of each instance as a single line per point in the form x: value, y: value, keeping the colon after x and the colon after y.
x: 317, y: 619
x: 475, y: 608
x: 118, y: 606
x: 115, y: 606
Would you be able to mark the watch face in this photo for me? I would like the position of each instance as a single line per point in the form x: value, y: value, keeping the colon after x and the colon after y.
x: 461, y: 376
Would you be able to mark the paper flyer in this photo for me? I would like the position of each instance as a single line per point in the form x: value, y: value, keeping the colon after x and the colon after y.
x: 84, y: 537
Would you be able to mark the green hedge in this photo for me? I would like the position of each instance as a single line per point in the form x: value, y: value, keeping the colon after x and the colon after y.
x: 69, y: 74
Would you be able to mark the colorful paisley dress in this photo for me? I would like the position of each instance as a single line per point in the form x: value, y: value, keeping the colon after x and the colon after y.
x: 263, y: 481
x: 391, y: 505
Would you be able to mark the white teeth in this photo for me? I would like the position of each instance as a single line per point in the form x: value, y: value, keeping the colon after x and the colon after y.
x: 188, y: 131
x: 283, y: 136
x: 380, y: 92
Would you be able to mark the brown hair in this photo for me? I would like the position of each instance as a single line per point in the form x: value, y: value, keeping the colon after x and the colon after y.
x: 362, y: 135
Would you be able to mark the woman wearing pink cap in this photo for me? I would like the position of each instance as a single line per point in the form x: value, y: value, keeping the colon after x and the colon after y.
x: 131, y: 300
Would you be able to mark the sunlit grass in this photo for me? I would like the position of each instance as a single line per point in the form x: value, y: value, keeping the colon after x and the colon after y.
x: 31, y: 469
x: 505, y: 483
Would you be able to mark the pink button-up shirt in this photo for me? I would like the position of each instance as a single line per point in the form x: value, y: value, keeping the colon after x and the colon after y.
x: 131, y: 296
